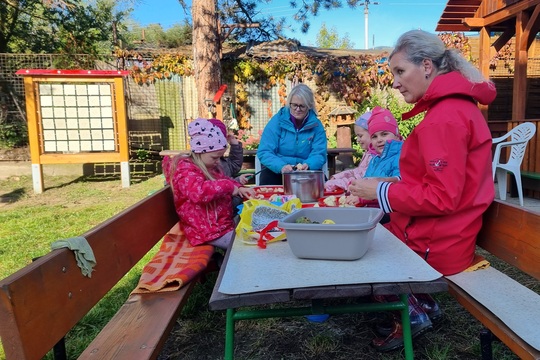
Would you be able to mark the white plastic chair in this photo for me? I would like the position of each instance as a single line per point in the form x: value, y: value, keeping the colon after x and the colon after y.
x: 519, y: 137
x: 258, y: 168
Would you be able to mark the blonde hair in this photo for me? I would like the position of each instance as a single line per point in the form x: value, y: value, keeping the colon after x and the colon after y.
x: 303, y: 92
x: 419, y: 45
x: 196, y: 159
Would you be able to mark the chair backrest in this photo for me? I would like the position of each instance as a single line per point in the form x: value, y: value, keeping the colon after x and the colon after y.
x: 523, y: 132
x: 257, y: 170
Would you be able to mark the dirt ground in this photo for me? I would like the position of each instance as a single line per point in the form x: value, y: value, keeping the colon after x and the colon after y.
x: 15, y: 154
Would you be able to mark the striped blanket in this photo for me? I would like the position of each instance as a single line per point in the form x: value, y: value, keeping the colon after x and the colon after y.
x: 175, y: 264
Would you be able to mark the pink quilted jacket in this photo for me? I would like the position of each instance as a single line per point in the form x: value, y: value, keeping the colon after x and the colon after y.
x: 204, y: 206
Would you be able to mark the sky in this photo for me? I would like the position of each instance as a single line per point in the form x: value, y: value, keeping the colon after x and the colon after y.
x: 386, y: 20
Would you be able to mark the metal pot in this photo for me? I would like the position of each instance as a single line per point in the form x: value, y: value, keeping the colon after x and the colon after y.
x: 307, y: 185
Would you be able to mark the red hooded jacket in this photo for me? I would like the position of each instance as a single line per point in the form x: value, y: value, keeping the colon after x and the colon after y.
x: 446, y: 177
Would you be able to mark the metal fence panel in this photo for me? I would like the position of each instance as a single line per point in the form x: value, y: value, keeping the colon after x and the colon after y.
x: 158, y: 113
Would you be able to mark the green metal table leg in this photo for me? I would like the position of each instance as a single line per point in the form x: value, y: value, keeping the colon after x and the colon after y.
x: 229, y: 335
x: 317, y: 307
x: 406, y: 327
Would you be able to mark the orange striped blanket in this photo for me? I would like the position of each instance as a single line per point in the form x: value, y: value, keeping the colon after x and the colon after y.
x: 175, y: 264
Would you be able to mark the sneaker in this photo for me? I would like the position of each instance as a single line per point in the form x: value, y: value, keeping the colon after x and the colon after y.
x: 430, y: 306
x: 420, y: 321
x: 394, y: 340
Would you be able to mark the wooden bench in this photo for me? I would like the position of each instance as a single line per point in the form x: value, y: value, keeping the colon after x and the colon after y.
x: 40, y: 303
x: 529, y: 180
x: 509, y: 310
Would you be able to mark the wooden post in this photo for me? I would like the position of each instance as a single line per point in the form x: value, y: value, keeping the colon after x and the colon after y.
x: 519, y: 96
x: 483, y: 59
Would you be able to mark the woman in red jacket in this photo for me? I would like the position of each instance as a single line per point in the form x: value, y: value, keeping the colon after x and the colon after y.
x: 445, y: 164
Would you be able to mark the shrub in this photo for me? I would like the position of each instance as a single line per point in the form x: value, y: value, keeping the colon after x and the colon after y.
x: 13, y: 134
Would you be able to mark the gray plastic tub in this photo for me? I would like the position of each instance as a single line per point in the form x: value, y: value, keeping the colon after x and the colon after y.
x: 348, y: 239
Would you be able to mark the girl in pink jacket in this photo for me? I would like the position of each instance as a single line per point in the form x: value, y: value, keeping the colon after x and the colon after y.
x: 202, y: 192
x: 342, y: 179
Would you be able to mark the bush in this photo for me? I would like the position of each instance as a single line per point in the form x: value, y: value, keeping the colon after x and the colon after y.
x: 393, y: 101
x: 13, y: 134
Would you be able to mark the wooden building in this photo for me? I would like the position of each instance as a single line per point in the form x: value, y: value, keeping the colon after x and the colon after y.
x: 498, y: 22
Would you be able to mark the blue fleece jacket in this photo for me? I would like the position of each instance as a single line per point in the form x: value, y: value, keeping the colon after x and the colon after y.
x: 282, y: 144
x: 387, y: 163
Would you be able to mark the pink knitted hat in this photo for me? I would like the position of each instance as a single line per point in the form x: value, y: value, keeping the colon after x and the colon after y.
x: 205, y: 136
x: 220, y: 125
x: 381, y: 120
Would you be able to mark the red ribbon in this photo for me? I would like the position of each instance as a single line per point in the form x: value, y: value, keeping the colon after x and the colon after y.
x: 264, y: 235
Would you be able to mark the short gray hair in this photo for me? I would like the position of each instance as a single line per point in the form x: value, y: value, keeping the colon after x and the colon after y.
x: 303, y: 92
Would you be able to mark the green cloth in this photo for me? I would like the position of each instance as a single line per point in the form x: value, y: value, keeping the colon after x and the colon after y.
x: 82, y: 250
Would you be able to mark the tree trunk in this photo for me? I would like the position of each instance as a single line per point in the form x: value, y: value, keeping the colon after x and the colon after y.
x: 206, y: 44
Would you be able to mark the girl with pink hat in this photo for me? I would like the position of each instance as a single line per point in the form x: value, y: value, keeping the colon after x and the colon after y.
x: 203, y: 193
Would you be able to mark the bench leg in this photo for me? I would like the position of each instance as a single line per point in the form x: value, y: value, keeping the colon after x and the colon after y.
x: 59, y: 350
x: 486, y: 338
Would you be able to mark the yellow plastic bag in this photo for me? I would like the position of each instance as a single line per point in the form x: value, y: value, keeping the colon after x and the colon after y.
x: 259, y: 218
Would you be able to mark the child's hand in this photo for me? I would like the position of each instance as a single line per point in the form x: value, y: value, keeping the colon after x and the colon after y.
x: 352, y: 200
x: 244, y: 178
x: 231, y: 138
x: 247, y: 193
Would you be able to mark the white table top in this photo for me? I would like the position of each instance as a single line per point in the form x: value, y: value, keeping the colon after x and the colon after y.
x: 251, y: 269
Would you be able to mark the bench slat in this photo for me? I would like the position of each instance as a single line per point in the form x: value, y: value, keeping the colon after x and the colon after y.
x: 513, y: 303
x: 508, y: 309
x: 494, y: 324
x: 530, y: 175
x: 149, y: 318
x: 47, y: 298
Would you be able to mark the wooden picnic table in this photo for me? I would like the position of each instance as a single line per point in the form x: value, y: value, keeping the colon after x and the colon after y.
x: 250, y: 276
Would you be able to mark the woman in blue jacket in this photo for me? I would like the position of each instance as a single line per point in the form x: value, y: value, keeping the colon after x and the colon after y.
x: 293, y: 137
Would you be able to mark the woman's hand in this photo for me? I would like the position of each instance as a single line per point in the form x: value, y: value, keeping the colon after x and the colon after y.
x: 365, y: 188
x: 302, y: 167
x: 246, y: 192
x: 286, y: 168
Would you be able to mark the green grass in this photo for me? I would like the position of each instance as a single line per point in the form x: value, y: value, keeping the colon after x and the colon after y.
x: 68, y: 207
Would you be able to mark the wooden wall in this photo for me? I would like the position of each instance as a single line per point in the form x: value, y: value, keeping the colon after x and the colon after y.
x: 531, y: 161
